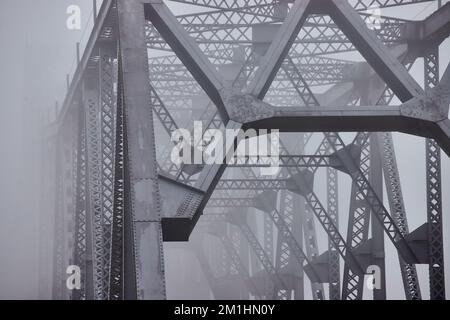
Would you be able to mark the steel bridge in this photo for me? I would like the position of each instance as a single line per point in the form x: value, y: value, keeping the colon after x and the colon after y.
x: 286, y: 65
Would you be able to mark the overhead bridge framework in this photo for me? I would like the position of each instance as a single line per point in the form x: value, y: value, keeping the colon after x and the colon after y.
x: 252, y: 64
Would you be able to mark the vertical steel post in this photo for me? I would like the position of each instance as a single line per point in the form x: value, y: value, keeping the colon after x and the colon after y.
x: 434, y: 190
x: 144, y: 259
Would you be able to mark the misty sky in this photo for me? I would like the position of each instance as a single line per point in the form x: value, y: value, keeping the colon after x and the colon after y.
x: 37, y: 52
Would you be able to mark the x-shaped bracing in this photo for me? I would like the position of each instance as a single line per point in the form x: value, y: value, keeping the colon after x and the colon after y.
x: 420, y: 114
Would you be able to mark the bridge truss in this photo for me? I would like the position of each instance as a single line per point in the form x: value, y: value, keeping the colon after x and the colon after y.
x: 249, y: 64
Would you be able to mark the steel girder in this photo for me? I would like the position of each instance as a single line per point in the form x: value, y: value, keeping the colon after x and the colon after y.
x: 268, y: 240
x: 357, y: 230
x: 377, y: 247
x: 434, y: 191
x: 376, y: 118
x: 143, y: 251
x: 316, y: 70
x: 283, y: 258
x: 215, y: 31
x: 107, y: 134
x: 311, y: 248
x: 82, y: 228
x: 116, y: 288
x: 91, y: 102
x: 333, y: 211
x: 237, y: 4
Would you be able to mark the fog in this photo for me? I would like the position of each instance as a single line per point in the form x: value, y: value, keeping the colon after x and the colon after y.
x: 37, y: 51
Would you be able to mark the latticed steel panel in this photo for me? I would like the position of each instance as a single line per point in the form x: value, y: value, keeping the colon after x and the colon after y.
x: 80, y: 253
x: 283, y: 254
x: 311, y: 248
x: 108, y: 124
x: 358, y: 229
x: 95, y: 187
x: 216, y: 31
x: 268, y: 237
x: 333, y: 211
x: 117, y: 237
x: 434, y: 191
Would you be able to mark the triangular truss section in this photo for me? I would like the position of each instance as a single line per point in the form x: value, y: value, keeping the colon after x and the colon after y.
x: 308, y: 62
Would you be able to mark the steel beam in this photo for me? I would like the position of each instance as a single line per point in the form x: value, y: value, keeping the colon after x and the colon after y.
x: 434, y: 191
x: 81, y: 254
x: 145, y: 278
x: 333, y: 211
x: 376, y: 180
x: 91, y: 101
x: 116, y: 282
